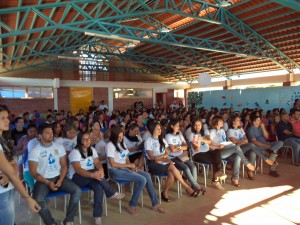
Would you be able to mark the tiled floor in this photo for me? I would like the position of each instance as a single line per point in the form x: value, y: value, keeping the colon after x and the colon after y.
x: 266, y: 200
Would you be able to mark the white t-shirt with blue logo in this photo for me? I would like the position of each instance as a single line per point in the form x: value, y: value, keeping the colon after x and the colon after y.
x: 69, y: 144
x: 131, y: 144
x: 119, y: 157
x: 86, y: 164
x: 176, y: 140
x: 48, y: 159
x: 203, y: 147
x: 31, y: 144
x: 152, y: 144
x: 10, y: 186
x: 217, y: 136
x: 238, y: 134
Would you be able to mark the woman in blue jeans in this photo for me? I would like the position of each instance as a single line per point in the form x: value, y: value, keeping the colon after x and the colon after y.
x: 178, y: 148
x: 85, y: 169
x: 120, y: 168
x: 8, y: 177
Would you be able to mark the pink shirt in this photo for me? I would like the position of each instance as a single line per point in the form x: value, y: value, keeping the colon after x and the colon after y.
x: 112, y: 122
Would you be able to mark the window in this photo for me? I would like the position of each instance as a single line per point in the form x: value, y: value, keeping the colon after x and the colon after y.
x: 132, y: 93
x: 24, y: 93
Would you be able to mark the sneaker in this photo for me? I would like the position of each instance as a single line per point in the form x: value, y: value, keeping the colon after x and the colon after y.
x: 220, y: 176
x: 274, y: 174
x: 217, y: 185
x: 118, y: 196
x: 97, y: 221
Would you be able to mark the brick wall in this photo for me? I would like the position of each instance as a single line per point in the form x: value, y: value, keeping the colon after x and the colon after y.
x: 19, y: 106
x: 63, y: 98
x: 123, y: 104
x: 100, y: 94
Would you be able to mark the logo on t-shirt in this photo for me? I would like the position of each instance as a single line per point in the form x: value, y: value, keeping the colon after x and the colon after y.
x: 72, y: 146
x: 89, y: 163
x: 51, y: 159
x: 123, y: 155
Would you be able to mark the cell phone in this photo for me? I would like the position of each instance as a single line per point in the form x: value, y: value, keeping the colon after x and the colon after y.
x: 5, y: 186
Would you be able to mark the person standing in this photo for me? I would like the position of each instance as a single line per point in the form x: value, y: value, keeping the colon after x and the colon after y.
x: 48, y: 166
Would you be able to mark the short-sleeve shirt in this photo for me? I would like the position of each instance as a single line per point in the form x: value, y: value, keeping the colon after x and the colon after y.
x: 100, y: 148
x: 131, y: 144
x: 69, y: 144
x: 238, y: 133
x: 48, y: 159
x: 85, y: 163
x: 146, y: 135
x: 280, y: 127
x: 256, y: 133
x: 175, y: 140
x: 31, y: 144
x: 217, y: 136
x: 119, y: 157
x: 10, y: 186
x: 152, y: 144
x: 203, y: 147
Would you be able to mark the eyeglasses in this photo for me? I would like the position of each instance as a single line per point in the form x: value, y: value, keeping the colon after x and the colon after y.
x: 86, y: 139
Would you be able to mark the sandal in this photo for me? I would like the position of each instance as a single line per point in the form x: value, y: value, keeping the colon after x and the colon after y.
x: 133, y: 211
x: 159, y: 208
x: 270, y: 162
x: 202, y: 191
x: 235, y: 182
x: 250, y: 167
x: 164, y: 198
x: 250, y: 175
x: 217, y: 185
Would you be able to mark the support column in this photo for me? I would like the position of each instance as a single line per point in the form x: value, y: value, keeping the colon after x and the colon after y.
x: 110, y: 99
x: 290, y: 79
x: 56, y: 85
x: 228, y: 85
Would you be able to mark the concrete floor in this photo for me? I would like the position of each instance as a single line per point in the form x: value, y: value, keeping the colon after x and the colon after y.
x: 266, y: 200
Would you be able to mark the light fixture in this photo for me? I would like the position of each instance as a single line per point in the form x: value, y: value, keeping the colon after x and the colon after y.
x: 112, y: 36
x: 165, y: 30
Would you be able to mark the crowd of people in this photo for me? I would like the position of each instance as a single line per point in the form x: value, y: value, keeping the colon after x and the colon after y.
x: 66, y: 153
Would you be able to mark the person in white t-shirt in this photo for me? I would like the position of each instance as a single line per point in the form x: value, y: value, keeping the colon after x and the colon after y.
x: 203, y: 151
x: 8, y: 177
x: 48, y: 166
x: 158, y: 161
x: 179, y: 154
x: 85, y: 169
x: 120, y: 168
x: 70, y: 138
x: 218, y: 137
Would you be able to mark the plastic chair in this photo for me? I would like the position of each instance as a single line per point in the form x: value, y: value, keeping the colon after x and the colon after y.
x: 285, y: 149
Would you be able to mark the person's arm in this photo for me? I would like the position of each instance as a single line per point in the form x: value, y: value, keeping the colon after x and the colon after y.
x: 174, y: 148
x: 8, y: 170
x: 265, y: 132
x: 260, y: 144
x: 20, y: 146
x: 120, y: 165
x: 63, y: 170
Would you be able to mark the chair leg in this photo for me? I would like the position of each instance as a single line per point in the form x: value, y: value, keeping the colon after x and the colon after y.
x: 79, y: 212
x: 204, y: 175
x: 159, y: 191
x: 105, y: 203
x: 120, y: 203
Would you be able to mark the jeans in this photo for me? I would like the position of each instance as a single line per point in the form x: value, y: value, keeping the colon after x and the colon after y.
x: 40, y: 190
x: 294, y: 143
x: 140, y: 178
x: 190, y: 171
x: 7, y: 208
x: 248, y: 149
x: 98, y: 186
x: 275, y: 146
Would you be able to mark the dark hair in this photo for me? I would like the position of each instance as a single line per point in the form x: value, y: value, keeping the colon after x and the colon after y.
x: 193, y: 127
x: 231, y: 120
x: 5, y: 142
x: 18, y: 118
x: 53, y: 128
x: 115, y: 131
x: 254, y: 118
x: 214, y: 121
x: 79, y: 145
x: 42, y: 127
x: 170, y: 124
x: 31, y: 126
x: 160, y: 139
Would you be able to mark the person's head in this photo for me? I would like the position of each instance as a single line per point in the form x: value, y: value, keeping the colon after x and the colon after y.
x: 145, y: 115
x: 284, y: 117
x: 133, y: 130
x: 93, y: 103
x: 225, y: 116
x: 19, y: 121
x: 31, y: 131
x: 95, y: 126
x: 49, y: 118
x: 4, y: 119
x: 70, y: 131
x: 173, y: 127
x: 26, y: 116
x: 57, y: 130
x: 217, y: 122
x: 255, y: 120
x: 296, y: 114
x: 116, y: 137
x: 84, y: 144
x: 139, y: 118
x: 106, y: 134
x: 45, y: 133
x: 155, y: 128
x: 235, y: 121
x: 196, y: 126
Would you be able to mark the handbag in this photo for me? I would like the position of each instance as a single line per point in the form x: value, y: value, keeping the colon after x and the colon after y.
x: 183, y: 157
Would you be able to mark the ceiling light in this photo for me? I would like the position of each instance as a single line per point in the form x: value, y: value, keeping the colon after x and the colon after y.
x: 165, y: 30
x: 112, y: 36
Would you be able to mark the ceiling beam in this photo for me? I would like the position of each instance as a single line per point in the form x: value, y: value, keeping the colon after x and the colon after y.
x: 293, y: 4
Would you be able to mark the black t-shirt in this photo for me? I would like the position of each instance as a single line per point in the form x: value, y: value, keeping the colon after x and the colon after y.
x: 92, y: 108
x: 281, y: 126
x: 16, y: 135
